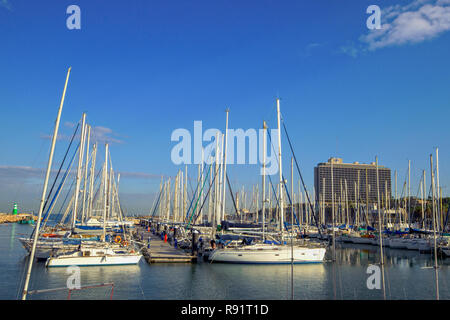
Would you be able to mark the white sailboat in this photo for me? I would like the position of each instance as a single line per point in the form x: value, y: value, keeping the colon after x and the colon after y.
x: 265, y: 253
x: 92, y: 255
x: 268, y: 254
x: 99, y: 254
x: 47, y: 246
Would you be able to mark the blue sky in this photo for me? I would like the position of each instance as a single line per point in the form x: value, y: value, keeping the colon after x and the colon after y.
x: 141, y: 69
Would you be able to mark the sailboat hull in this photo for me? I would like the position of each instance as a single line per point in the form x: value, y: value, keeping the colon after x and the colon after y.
x: 275, y: 255
x: 94, y: 261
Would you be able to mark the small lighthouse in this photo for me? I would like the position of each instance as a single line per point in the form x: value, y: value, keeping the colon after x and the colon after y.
x: 14, y: 209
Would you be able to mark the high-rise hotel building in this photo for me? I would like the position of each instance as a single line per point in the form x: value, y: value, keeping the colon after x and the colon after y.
x: 348, y: 178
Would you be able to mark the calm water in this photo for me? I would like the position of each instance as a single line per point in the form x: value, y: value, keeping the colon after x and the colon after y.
x: 406, y: 277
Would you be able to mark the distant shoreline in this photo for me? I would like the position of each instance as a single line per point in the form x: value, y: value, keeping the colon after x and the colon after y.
x: 12, y: 218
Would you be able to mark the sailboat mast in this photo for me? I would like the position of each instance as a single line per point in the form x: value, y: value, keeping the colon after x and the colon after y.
x: 292, y: 229
x: 422, y: 187
x: 91, y: 183
x: 185, y: 191
x: 44, y: 190
x: 409, y: 193
x: 86, y: 173
x: 332, y: 211
x: 264, y: 181
x: 438, y: 212
x: 175, y: 199
x: 434, y: 228
x: 80, y: 162
x: 225, y: 168
x: 105, y: 190
x: 379, y: 227
x: 280, y: 168
x: 216, y: 187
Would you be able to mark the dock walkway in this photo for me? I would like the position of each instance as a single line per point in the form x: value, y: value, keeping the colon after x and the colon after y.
x: 161, y: 251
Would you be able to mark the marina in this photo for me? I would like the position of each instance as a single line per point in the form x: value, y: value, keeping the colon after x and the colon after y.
x: 217, y: 150
x: 204, y: 281
x: 91, y: 230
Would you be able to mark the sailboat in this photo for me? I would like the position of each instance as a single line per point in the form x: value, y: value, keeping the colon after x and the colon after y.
x: 97, y: 254
x: 270, y: 252
x: 65, y: 237
x: 94, y: 255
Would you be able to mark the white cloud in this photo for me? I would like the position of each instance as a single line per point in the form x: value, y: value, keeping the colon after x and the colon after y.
x: 103, y: 134
x: 69, y: 124
x: 311, y: 47
x: 98, y: 134
x: 350, y: 50
x: 139, y: 175
x: 416, y: 22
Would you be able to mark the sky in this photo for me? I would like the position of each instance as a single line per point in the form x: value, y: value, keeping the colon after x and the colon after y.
x: 142, y: 69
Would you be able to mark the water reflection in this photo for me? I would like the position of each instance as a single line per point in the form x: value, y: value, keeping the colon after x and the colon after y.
x: 407, y: 276
x: 12, y: 236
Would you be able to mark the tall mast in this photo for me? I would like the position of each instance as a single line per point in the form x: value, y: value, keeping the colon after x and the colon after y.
x: 180, y: 209
x: 110, y: 194
x: 161, y: 198
x: 300, y: 205
x: 44, y: 190
x: 210, y: 199
x: 396, y: 200
x: 323, y: 201
x: 175, y: 199
x: 292, y: 195
x: 434, y: 228
x: 185, y: 190
x: 438, y: 212
x: 105, y: 190
x: 257, y: 203
x: 332, y: 211
x: 409, y: 193
x: 86, y: 173
x: 367, y: 200
x: 121, y: 218
x: 264, y: 181
x: 386, y: 203
x: 356, y: 204
x: 199, y: 216
x: 199, y: 183
x: 379, y: 227
x: 357, y: 201
x: 422, y: 187
x: 270, y: 204
x: 280, y: 169
x: 292, y: 229
x: 225, y: 168
x: 216, y: 187
x: 222, y: 180
x: 80, y: 162
x: 91, y: 183
x: 346, y: 203
x: 168, y: 201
